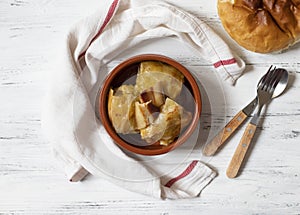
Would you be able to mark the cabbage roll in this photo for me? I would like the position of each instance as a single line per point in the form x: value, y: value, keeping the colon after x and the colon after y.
x: 153, y: 73
x: 166, y: 128
x: 121, y: 109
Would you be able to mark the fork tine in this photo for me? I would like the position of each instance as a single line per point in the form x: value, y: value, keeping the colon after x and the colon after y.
x: 266, y: 78
x: 275, y: 75
x: 273, y: 80
x: 262, y: 80
x: 279, y: 74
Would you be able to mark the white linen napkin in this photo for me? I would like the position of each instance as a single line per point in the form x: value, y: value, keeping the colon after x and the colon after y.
x: 79, y: 140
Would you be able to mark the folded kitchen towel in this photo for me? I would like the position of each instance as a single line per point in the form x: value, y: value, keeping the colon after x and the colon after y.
x: 79, y: 140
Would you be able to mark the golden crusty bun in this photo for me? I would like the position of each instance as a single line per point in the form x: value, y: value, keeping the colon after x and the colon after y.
x: 261, y: 25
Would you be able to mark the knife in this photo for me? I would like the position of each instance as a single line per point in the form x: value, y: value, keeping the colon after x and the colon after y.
x: 211, y: 148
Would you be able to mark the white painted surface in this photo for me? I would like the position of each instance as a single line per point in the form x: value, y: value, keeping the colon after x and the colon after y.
x: 30, y: 182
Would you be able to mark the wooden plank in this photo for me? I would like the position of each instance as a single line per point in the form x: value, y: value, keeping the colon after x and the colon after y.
x: 31, y: 182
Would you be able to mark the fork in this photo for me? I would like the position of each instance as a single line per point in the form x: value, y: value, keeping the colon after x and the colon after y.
x: 265, y: 91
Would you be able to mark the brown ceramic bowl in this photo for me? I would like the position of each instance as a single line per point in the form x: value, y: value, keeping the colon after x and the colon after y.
x: 126, y: 71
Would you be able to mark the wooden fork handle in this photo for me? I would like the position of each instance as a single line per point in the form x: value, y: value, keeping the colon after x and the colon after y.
x: 241, y: 151
x: 211, y: 148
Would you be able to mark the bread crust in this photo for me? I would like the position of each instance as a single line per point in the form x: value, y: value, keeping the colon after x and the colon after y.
x: 261, y: 26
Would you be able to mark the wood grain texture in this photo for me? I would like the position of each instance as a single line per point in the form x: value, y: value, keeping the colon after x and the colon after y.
x: 32, y: 183
x: 218, y: 141
x: 240, y: 152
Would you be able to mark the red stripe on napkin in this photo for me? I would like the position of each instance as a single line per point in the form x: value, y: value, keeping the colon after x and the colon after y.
x: 109, y: 15
x: 224, y: 62
x: 187, y: 171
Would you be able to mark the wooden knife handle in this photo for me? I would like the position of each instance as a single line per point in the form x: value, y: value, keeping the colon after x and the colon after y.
x: 211, y: 148
x: 241, y: 151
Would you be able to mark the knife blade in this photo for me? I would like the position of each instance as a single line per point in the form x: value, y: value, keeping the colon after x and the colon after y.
x: 211, y: 148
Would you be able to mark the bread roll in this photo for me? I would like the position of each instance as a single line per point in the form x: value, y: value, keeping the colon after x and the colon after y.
x: 262, y: 26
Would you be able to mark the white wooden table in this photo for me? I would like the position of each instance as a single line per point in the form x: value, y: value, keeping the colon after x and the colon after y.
x: 30, y: 182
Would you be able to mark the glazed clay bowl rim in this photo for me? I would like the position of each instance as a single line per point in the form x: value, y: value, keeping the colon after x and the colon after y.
x: 103, y: 95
